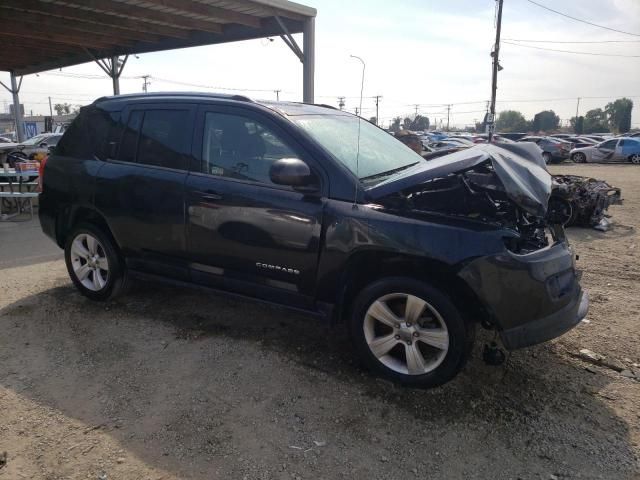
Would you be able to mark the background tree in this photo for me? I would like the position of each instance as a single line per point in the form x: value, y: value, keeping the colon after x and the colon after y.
x: 546, y: 120
x: 420, y: 123
x: 595, y: 121
x: 395, y: 124
x: 406, y: 123
x: 511, y: 121
x: 577, y: 124
x: 62, y: 108
x: 373, y: 120
x: 619, y: 115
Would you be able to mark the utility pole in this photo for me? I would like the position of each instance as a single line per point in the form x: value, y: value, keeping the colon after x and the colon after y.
x: 50, y: 109
x: 341, y: 103
x: 377, y: 97
x: 416, y: 106
x: 277, y: 92
x: 448, y: 111
x: 146, y: 83
x: 356, y: 111
x: 496, y: 67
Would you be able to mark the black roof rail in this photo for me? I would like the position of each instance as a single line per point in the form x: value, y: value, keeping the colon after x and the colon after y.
x: 228, y: 96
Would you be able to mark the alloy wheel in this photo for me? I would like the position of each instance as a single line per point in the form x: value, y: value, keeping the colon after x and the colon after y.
x: 89, y: 262
x: 406, y: 334
x: 636, y: 159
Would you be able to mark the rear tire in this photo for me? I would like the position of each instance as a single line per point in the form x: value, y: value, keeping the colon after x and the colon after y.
x: 410, y: 332
x: 546, y: 156
x: 579, y: 157
x: 93, y: 263
x: 635, y: 159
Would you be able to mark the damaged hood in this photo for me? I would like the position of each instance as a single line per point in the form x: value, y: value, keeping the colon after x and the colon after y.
x: 519, y: 167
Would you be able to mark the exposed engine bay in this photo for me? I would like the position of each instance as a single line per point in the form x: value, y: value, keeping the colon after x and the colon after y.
x: 582, y: 201
x: 478, y: 194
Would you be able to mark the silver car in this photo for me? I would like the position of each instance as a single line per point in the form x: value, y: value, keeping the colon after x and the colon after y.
x: 624, y: 149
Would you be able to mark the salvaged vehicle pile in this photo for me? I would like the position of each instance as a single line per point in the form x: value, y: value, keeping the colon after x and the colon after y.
x: 583, y: 201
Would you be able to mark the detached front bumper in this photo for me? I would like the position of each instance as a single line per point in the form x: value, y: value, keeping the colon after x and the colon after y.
x: 529, y: 298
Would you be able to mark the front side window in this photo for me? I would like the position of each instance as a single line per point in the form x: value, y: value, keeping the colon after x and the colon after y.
x: 239, y: 147
x: 376, y: 155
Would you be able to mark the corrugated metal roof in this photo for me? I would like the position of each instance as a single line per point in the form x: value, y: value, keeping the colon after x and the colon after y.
x: 39, y: 35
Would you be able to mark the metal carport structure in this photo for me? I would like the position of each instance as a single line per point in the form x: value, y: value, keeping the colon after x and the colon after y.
x: 40, y: 35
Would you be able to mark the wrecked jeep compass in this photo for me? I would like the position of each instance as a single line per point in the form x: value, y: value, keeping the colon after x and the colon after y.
x: 314, y: 209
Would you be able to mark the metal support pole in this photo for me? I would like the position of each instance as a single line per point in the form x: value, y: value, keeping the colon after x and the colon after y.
x: 308, y: 66
x: 115, y: 75
x: 496, y: 68
x: 15, y: 89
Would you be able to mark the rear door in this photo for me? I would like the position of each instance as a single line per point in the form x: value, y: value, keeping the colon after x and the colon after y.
x: 244, y: 232
x: 605, y: 152
x: 141, y: 186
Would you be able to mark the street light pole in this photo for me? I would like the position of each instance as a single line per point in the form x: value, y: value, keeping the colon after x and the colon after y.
x: 496, y: 67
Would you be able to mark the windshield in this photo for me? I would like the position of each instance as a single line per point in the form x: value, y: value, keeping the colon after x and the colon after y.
x: 380, y: 153
x: 34, y: 140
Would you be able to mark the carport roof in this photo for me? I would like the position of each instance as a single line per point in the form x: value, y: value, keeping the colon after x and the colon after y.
x: 39, y: 35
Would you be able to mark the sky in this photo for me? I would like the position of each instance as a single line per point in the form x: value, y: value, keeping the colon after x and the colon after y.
x: 428, y: 53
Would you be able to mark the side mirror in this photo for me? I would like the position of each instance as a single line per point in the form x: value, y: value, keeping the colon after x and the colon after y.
x: 293, y: 172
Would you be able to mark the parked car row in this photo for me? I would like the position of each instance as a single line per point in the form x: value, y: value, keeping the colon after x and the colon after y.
x: 555, y: 148
x: 31, y: 148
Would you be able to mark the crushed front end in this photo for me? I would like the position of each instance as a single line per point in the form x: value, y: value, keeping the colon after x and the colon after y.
x: 529, y: 287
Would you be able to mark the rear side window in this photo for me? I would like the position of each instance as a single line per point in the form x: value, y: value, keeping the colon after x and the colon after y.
x: 164, y: 138
x: 129, y: 142
x: 609, y: 144
x: 156, y: 137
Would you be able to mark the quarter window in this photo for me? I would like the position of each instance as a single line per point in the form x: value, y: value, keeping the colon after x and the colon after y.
x: 238, y: 147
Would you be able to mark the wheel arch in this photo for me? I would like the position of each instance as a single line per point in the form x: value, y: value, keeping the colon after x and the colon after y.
x: 368, y: 267
x: 70, y: 217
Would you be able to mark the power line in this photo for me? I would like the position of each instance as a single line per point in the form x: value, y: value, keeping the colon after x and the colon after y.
x: 571, y: 51
x: 581, y: 20
x: 570, y: 41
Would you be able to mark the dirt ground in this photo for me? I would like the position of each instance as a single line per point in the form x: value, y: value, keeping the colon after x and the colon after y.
x: 167, y: 383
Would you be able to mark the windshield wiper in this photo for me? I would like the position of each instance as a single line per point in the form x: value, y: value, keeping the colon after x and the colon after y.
x: 388, y: 172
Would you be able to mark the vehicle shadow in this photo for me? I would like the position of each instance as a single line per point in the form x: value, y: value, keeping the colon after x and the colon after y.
x: 193, y: 384
x: 586, y: 234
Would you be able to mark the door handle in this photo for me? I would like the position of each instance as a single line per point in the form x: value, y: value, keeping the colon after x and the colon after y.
x: 211, y: 196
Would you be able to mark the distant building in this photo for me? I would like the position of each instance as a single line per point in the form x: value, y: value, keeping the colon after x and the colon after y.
x: 35, y: 124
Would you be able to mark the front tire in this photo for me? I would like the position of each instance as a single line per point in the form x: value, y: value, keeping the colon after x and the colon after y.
x: 410, y: 332
x: 93, y: 263
x: 635, y: 159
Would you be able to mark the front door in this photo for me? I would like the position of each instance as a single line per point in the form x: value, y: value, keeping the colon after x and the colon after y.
x: 244, y: 232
